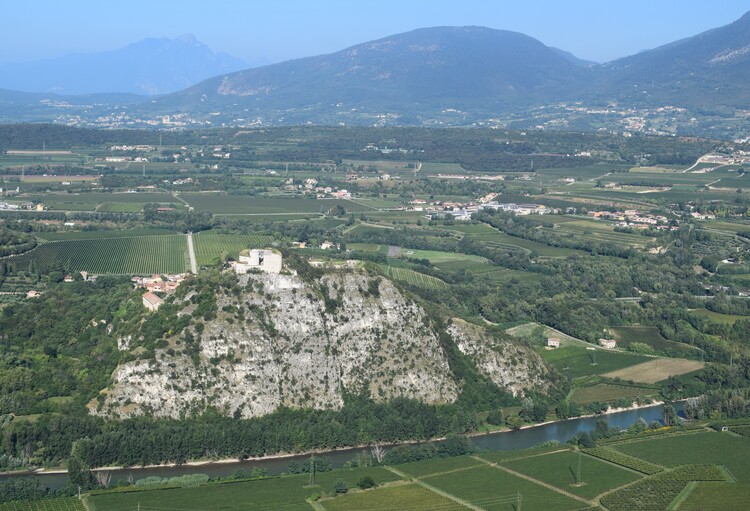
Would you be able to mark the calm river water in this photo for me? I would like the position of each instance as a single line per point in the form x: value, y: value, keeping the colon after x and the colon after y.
x: 503, y: 441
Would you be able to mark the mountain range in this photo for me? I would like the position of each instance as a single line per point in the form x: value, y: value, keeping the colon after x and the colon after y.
x: 151, y: 66
x: 450, y: 75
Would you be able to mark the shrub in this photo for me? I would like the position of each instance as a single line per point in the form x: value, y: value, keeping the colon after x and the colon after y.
x: 366, y: 482
x: 340, y: 487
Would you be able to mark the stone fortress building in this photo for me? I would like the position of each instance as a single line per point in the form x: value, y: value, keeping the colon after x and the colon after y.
x: 265, y: 260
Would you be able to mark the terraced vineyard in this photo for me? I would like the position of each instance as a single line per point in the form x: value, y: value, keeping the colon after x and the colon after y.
x: 414, y: 278
x: 209, y: 245
x: 132, y: 255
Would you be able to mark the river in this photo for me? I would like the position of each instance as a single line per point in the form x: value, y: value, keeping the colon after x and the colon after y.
x: 501, y: 441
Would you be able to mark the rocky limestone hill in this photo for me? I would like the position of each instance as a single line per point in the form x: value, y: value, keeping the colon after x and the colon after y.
x: 278, y: 340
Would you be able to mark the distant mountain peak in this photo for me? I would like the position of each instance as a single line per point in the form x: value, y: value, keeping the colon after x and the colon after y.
x: 187, y: 39
x: 155, y: 65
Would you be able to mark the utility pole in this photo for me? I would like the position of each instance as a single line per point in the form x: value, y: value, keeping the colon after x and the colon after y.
x: 578, y: 473
x: 518, y: 507
x: 79, y: 492
x: 312, y: 470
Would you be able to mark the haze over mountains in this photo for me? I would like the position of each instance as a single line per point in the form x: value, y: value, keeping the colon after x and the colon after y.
x: 151, y: 66
x: 422, y: 77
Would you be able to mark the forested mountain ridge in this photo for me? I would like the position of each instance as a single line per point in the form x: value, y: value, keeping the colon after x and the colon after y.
x: 438, y: 76
x: 251, y: 345
x: 418, y: 71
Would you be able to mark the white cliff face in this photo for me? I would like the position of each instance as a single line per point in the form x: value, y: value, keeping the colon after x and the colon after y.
x: 279, y: 342
x: 508, y: 363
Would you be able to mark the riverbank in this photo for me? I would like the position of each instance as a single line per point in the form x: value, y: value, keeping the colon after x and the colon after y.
x: 288, y: 455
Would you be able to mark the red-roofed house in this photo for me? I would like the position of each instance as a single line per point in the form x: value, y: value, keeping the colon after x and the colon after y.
x: 151, y: 301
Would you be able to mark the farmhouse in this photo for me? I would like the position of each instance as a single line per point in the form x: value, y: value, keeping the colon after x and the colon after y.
x: 608, y: 343
x: 151, y: 301
x: 265, y: 260
x: 553, y: 342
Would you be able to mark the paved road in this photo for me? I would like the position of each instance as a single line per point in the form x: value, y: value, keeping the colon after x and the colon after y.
x: 191, y: 251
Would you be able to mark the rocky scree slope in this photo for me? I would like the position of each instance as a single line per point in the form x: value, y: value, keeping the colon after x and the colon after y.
x: 277, y: 340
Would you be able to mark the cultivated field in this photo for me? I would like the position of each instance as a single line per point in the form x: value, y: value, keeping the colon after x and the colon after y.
x: 133, y: 255
x: 578, y: 361
x: 63, y: 504
x: 494, y: 489
x: 649, y: 335
x: 604, y: 392
x: 715, y: 495
x: 402, y: 497
x: 104, y: 234
x: 710, y: 447
x: 285, y: 493
x: 561, y: 470
x: 717, y: 317
x: 414, y: 278
x: 656, y: 370
x: 210, y: 246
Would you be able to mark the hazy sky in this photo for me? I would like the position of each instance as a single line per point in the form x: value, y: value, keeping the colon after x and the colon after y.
x: 599, y: 30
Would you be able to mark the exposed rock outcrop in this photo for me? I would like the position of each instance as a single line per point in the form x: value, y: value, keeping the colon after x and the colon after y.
x: 280, y: 341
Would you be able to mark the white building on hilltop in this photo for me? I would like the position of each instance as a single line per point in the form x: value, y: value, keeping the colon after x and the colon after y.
x: 265, y: 260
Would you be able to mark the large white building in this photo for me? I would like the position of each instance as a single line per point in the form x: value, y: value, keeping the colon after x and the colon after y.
x: 265, y: 260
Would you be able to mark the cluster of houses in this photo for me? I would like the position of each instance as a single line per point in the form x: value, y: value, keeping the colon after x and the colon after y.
x: 633, y: 218
x: 7, y: 206
x: 157, y: 284
x: 457, y: 211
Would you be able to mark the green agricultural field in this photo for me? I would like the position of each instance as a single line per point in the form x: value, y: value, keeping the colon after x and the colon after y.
x: 210, y: 246
x: 561, y: 471
x: 413, y: 277
x: 503, y: 456
x: 659, y: 491
x: 437, y: 257
x: 135, y: 255
x: 494, y: 489
x: 604, y: 392
x: 363, y: 247
x: 707, y: 496
x: 578, y: 361
x: 249, y: 205
x: 289, y: 217
x: 649, y: 335
x: 104, y: 234
x: 504, y: 275
x: 656, y: 369
x: 287, y: 493
x: 500, y: 239
x: 431, y: 467
x: 602, y: 232
x: 70, y: 206
x: 120, y: 207
x: 398, y: 497
x: 99, y: 198
x: 709, y: 447
x: 716, y: 317
x: 63, y: 504
x: 469, y: 228
x: 624, y: 460
x: 473, y: 266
